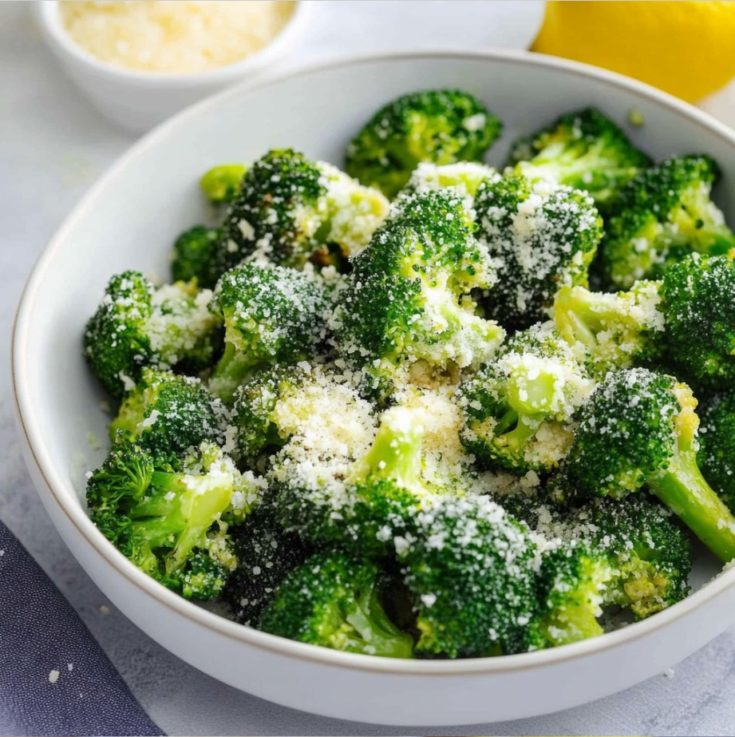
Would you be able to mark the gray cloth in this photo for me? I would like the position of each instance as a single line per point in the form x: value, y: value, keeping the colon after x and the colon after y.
x: 54, y: 677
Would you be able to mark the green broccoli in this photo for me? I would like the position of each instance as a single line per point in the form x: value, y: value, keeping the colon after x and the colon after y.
x: 606, y: 556
x: 357, y: 495
x: 272, y: 315
x: 352, y: 485
x: 584, y: 150
x: 222, y: 183
x: 542, y: 237
x: 662, y: 215
x: 334, y: 601
x: 168, y: 414
x: 170, y: 523
x: 573, y: 581
x: 469, y: 567
x: 464, y: 178
x: 260, y: 412
x: 699, y: 305
x: 265, y: 556
x: 292, y: 210
x: 194, y: 256
x: 137, y: 325
x: 438, y: 126
x: 640, y: 428
x: 409, y: 302
x: 612, y: 330
x: 649, y: 552
x: 717, y: 444
x: 519, y: 410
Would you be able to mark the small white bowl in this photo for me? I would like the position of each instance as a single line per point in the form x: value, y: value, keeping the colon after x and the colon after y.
x: 130, y: 218
x: 138, y: 100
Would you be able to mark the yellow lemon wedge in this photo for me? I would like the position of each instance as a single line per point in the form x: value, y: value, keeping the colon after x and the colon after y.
x: 685, y: 48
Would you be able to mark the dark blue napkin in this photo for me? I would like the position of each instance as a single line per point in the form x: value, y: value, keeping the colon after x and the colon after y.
x: 54, y: 677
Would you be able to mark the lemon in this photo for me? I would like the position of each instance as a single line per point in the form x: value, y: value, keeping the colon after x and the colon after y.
x: 685, y: 48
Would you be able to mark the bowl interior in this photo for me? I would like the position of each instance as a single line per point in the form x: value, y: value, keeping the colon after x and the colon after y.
x: 132, y: 216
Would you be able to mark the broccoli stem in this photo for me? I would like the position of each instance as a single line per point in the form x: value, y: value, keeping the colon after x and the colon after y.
x: 377, y: 634
x: 516, y: 438
x: 396, y: 452
x: 683, y: 489
x: 233, y: 368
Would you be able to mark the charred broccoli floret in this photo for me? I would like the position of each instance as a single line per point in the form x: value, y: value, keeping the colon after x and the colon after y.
x: 519, y: 409
x: 438, y: 126
x: 168, y: 414
x: 222, y: 183
x: 334, y: 601
x: 717, y: 445
x: 584, y: 150
x: 662, y: 215
x: 137, y: 325
x: 640, y: 428
x: 265, y: 556
x: 542, y: 237
x: 272, y: 315
x: 170, y: 523
x: 409, y: 302
x: 195, y: 256
x: 292, y: 210
x: 469, y: 568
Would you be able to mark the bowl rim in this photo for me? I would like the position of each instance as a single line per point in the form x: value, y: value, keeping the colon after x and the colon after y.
x: 54, y: 482
x: 48, y: 17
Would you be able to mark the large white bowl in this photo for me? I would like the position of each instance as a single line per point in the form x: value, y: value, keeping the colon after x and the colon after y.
x: 129, y: 221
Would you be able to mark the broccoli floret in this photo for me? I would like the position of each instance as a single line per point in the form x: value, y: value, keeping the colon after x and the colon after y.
x: 584, y: 150
x: 169, y: 523
x: 662, y: 215
x: 469, y: 566
x: 717, y: 445
x: 640, y: 428
x: 349, y: 485
x: 359, y: 497
x: 258, y: 412
x: 409, y: 301
x: 222, y: 183
x: 463, y: 178
x: 573, y: 580
x: 699, y: 305
x: 439, y: 126
x: 168, y: 414
x: 272, y: 315
x: 519, y: 410
x: 334, y: 601
x: 603, y: 557
x: 265, y: 556
x: 292, y: 210
x: 612, y: 330
x: 542, y: 237
x: 137, y: 325
x: 194, y: 256
x: 648, y: 550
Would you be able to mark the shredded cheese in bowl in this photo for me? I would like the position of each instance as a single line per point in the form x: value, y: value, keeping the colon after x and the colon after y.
x: 174, y: 36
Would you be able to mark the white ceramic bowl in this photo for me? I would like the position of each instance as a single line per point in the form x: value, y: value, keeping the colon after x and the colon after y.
x: 137, y: 100
x: 129, y: 220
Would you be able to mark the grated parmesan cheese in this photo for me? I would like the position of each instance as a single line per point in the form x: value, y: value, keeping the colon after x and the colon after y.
x: 174, y: 37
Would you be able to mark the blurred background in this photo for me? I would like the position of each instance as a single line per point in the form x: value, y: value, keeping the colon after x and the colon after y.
x: 60, y: 132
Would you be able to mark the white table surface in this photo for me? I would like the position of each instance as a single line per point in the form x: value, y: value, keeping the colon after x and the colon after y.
x: 52, y: 147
